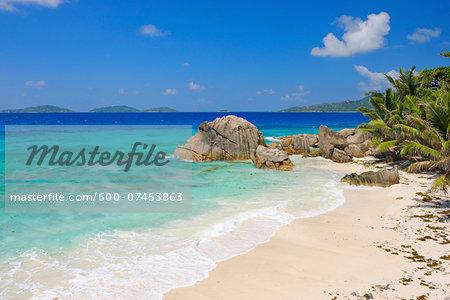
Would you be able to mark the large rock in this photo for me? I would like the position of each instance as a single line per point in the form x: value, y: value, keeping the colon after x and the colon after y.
x: 382, y: 178
x: 329, y: 140
x: 359, y: 137
x: 347, y: 131
x: 296, y: 144
x: 266, y: 158
x: 227, y: 138
x: 340, y: 156
x: 358, y: 150
x: 365, y: 146
x: 354, y: 151
x: 313, y: 139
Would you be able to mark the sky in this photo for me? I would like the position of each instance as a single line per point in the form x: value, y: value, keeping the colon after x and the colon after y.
x: 211, y: 55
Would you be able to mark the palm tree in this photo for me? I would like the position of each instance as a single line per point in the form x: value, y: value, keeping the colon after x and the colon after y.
x: 428, y: 137
x: 413, y: 120
x: 409, y: 83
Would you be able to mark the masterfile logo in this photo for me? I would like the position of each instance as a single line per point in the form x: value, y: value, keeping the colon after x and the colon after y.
x: 96, y: 168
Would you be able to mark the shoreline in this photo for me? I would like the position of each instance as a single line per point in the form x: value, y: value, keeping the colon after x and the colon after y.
x: 374, y: 245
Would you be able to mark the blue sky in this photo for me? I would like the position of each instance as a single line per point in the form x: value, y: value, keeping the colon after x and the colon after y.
x: 211, y: 55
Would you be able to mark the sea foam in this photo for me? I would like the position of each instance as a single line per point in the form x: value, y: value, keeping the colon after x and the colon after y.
x: 147, y: 263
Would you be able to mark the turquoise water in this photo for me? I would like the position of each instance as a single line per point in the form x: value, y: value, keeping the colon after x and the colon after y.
x: 234, y: 208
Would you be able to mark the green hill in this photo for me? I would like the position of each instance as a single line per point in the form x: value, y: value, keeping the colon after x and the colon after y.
x: 38, y: 109
x: 161, y: 109
x: 113, y: 109
x: 343, y: 106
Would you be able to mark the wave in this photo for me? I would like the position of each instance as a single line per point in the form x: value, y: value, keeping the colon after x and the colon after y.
x: 149, y: 263
x: 273, y: 139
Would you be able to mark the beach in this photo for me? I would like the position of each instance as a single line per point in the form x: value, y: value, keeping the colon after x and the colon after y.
x: 253, y: 232
x: 224, y: 150
x: 382, y: 243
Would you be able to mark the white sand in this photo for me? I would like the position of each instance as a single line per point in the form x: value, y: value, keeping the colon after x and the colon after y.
x: 361, y: 248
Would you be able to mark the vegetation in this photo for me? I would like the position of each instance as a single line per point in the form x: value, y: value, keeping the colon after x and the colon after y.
x: 436, y: 75
x: 38, y: 109
x: 412, y: 119
x: 111, y: 109
x: 343, y: 106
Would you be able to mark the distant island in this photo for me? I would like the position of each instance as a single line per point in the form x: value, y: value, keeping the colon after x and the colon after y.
x: 161, y: 109
x: 113, y: 109
x: 343, y: 106
x: 38, y: 109
x: 106, y: 109
x: 124, y: 108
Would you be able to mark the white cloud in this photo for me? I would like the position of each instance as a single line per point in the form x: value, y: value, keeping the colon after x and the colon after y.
x: 295, y: 96
x: 424, y: 35
x: 151, y: 30
x: 170, y: 92
x: 186, y: 64
x: 359, y: 36
x: 376, y: 80
x: 35, y: 83
x: 262, y: 92
x: 10, y: 5
x: 196, y: 87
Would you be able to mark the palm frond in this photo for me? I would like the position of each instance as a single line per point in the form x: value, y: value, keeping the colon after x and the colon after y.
x: 386, y: 145
x: 415, y: 148
x: 421, y: 166
x: 442, y: 183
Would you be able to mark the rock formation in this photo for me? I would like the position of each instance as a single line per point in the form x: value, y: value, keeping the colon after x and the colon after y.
x: 313, y: 139
x: 358, y: 137
x: 382, y: 178
x: 347, y: 143
x: 358, y: 150
x: 266, y: 158
x: 227, y: 138
x: 329, y: 141
x: 340, y: 156
x: 295, y: 144
x: 347, y: 131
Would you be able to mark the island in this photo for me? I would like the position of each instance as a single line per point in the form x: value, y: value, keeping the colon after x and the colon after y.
x: 343, y: 106
x: 115, y: 109
x: 38, y: 109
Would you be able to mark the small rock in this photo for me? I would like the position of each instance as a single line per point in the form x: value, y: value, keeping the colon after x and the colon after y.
x: 340, y: 156
x: 354, y: 150
x: 405, y: 164
x: 384, y: 178
x: 313, y: 139
x: 266, y: 158
x: 272, y: 145
x: 359, y: 137
x: 347, y: 131
x: 296, y: 144
x: 315, y: 153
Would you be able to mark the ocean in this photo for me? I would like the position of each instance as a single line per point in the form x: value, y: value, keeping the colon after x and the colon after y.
x: 235, y: 207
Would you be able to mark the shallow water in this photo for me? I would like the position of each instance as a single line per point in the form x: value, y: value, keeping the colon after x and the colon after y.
x: 105, y: 255
x: 161, y: 251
